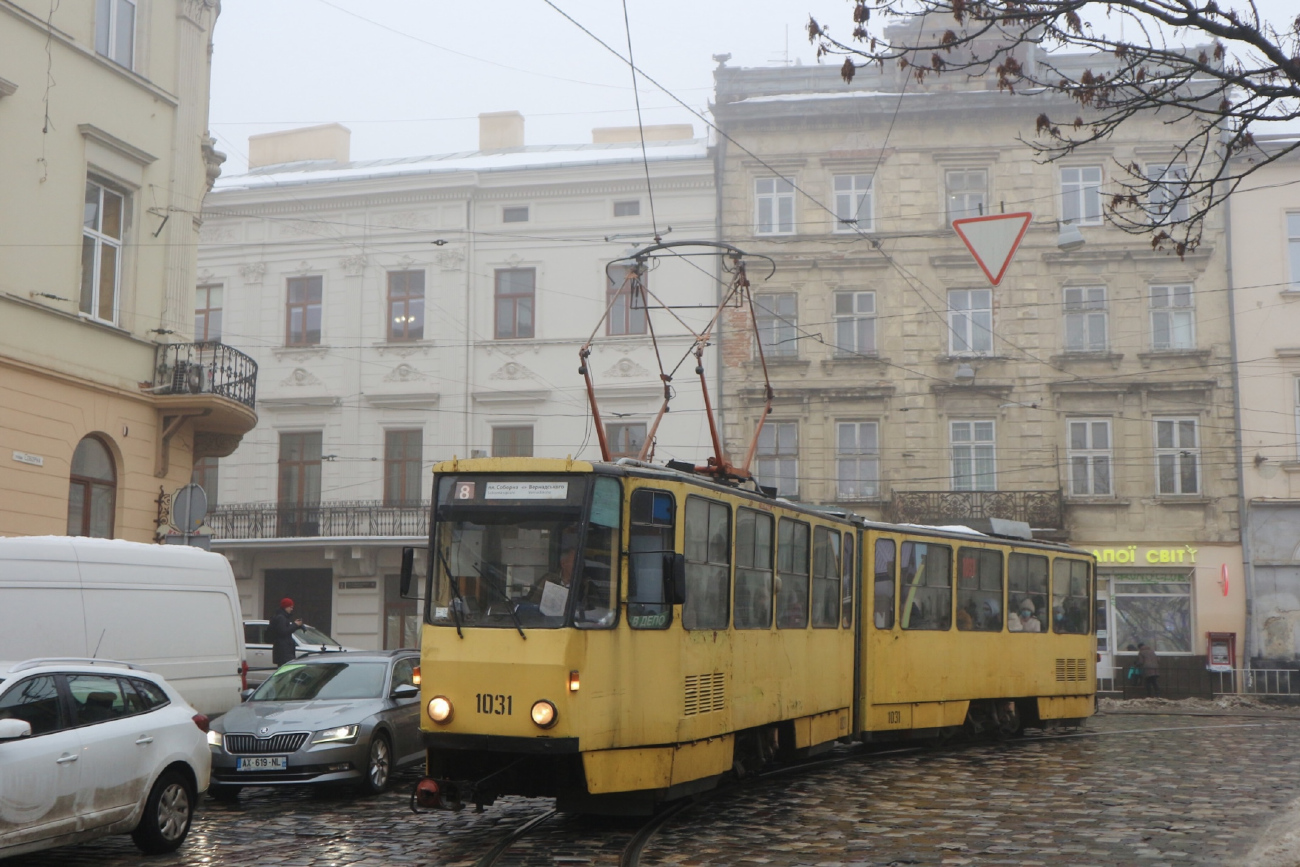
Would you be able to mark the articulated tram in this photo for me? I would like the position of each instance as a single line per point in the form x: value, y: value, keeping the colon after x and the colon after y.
x: 615, y: 635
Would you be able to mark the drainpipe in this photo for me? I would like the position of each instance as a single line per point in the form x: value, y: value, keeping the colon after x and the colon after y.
x: 1243, y: 510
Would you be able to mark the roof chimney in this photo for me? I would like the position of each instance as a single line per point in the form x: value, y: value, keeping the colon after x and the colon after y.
x: 498, y: 130
x: 654, y: 132
x: 330, y: 141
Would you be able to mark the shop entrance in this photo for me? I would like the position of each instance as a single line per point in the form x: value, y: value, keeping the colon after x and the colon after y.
x: 312, y: 592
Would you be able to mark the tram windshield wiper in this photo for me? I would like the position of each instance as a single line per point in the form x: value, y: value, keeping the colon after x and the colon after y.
x: 489, y: 583
x: 457, y: 600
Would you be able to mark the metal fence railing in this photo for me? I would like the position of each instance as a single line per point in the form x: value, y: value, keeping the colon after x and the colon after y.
x: 1257, y: 681
x: 1036, y: 508
x: 339, y: 518
x: 206, y: 368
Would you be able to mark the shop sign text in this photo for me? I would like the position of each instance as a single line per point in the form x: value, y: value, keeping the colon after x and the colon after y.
x: 1152, y: 556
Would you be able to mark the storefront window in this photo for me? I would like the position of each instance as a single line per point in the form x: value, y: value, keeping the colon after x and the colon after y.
x: 1155, y: 609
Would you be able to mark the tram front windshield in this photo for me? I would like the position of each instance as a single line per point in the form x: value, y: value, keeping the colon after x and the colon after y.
x: 524, y: 551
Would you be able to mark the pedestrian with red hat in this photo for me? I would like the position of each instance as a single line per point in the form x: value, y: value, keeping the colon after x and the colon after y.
x: 281, y: 630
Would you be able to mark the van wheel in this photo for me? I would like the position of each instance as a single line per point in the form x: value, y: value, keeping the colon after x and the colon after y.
x: 379, y: 767
x: 224, y: 794
x: 168, y: 813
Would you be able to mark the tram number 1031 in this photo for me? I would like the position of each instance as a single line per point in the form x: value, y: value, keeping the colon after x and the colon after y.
x: 501, y: 705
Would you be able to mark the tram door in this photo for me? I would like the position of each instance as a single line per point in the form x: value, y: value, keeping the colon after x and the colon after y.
x: 1101, y: 621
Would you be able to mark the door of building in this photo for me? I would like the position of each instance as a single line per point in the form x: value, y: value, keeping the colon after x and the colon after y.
x: 312, y: 592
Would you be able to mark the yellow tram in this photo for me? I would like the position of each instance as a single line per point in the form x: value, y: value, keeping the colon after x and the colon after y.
x: 615, y: 635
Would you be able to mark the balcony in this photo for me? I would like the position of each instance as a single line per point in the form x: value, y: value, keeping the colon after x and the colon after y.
x: 1041, y: 510
x: 342, y: 518
x: 208, y: 385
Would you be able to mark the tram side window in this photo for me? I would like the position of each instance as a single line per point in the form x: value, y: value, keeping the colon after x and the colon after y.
x: 598, y: 588
x: 708, y: 564
x: 792, y: 574
x: 979, y: 590
x: 926, y: 574
x: 1026, y: 592
x: 826, y: 578
x: 650, y: 541
x: 846, y: 583
x: 886, y: 559
x: 753, y: 600
x: 1070, y: 596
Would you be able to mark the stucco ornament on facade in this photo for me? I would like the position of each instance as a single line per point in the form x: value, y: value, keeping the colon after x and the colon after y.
x: 252, y: 272
x: 301, y: 378
x: 353, y: 266
x: 451, y: 258
x: 513, y: 372
x: 627, y: 369
x: 405, y: 373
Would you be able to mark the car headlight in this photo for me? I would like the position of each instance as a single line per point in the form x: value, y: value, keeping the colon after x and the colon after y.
x: 440, y: 709
x: 544, y: 713
x: 216, y: 739
x: 340, y: 734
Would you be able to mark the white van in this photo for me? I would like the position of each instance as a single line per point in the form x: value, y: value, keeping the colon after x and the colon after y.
x: 171, y: 609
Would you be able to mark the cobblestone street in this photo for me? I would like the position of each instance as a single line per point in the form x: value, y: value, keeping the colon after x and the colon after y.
x: 1130, y: 789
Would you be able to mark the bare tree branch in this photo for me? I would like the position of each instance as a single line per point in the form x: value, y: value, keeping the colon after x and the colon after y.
x: 1240, y: 75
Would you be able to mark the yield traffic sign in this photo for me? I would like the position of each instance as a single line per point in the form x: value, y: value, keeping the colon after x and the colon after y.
x: 993, y: 240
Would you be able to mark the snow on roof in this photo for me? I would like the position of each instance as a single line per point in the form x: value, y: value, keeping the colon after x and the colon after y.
x: 536, y: 156
x: 946, y: 528
x: 852, y: 94
x: 119, y: 547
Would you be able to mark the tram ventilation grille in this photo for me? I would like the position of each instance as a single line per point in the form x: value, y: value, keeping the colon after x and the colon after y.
x: 252, y: 745
x: 1071, y: 670
x: 705, y: 693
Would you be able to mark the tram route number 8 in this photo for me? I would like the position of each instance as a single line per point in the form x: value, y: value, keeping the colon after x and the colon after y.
x: 501, y: 705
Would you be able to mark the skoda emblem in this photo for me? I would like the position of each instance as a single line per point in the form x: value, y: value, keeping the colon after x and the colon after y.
x: 263, y: 730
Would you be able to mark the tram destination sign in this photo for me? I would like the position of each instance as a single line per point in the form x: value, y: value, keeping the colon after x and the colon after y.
x: 526, y: 491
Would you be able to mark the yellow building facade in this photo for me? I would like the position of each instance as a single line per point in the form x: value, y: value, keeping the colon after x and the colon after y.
x: 107, y: 395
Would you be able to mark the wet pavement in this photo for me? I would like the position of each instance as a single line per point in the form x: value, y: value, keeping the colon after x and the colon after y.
x: 1159, y: 789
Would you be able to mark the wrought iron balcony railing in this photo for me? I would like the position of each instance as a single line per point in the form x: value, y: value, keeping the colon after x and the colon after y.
x: 206, y: 368
x: 1039, y: 509
x: 329, y: 519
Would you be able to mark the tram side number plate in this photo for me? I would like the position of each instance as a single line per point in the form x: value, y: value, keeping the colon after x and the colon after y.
x: 495, y: 703
x: 262, y: 763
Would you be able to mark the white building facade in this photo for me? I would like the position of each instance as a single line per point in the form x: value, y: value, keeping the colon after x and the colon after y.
x: 409, y: 311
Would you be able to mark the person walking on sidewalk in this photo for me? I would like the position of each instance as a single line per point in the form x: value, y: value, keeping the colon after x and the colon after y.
x: 1150, y: 666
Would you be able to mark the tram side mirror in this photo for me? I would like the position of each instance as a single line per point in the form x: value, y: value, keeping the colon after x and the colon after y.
x: 408, y: 565
x: 675, y: 578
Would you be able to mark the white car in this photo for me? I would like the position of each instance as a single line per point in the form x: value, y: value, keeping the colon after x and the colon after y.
x: 91, y: 747
x: 257, y: 648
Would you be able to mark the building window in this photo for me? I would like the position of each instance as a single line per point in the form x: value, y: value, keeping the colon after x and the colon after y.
x: 115, y: 31
x: 853, y: 203
x: 1293, y: 248
x: 1178, y: 456
x: 628, y: 209
x: 1090, y: 457
x: 777, y: 320
x: 512, y: 442
x: 1081, y: 195
x: 777, y: 465
x: 515, y: 288
x: 205, y: 475
x: 1155, y: 609
x: 1296, y: 384
x: 300, y: 460
x: 1173, y: 321
x: 1167, y: 202
x: 974, y: 466
x: 1085, y: 319
x: 403, y: 457
x: 625, y: 439
x: 101, y: 251
x: 970, y: 322
x: 855, y: 323
x: 967, y: 193
x: 405, y: 305
x: 518, y: 214
x: 207, y: 314
x: 92, y: 490
x: 302, y: 311
x: 857, y: 460
x: 401, y: 616
x: 626, y: 301
x: 773, y: 206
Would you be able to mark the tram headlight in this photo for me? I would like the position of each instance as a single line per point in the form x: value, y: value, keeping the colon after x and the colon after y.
x: 440, y: 709
x: 544, y: 713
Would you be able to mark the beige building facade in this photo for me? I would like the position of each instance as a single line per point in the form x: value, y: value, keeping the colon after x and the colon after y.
x: 1265, y: 247
x: 104, y: 162
x: 1089, y: 394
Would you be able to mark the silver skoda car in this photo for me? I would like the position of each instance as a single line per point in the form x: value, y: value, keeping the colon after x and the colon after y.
x: 333, y: 718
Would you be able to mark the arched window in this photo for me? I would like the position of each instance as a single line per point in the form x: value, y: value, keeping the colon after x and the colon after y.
x: 92, y: 490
